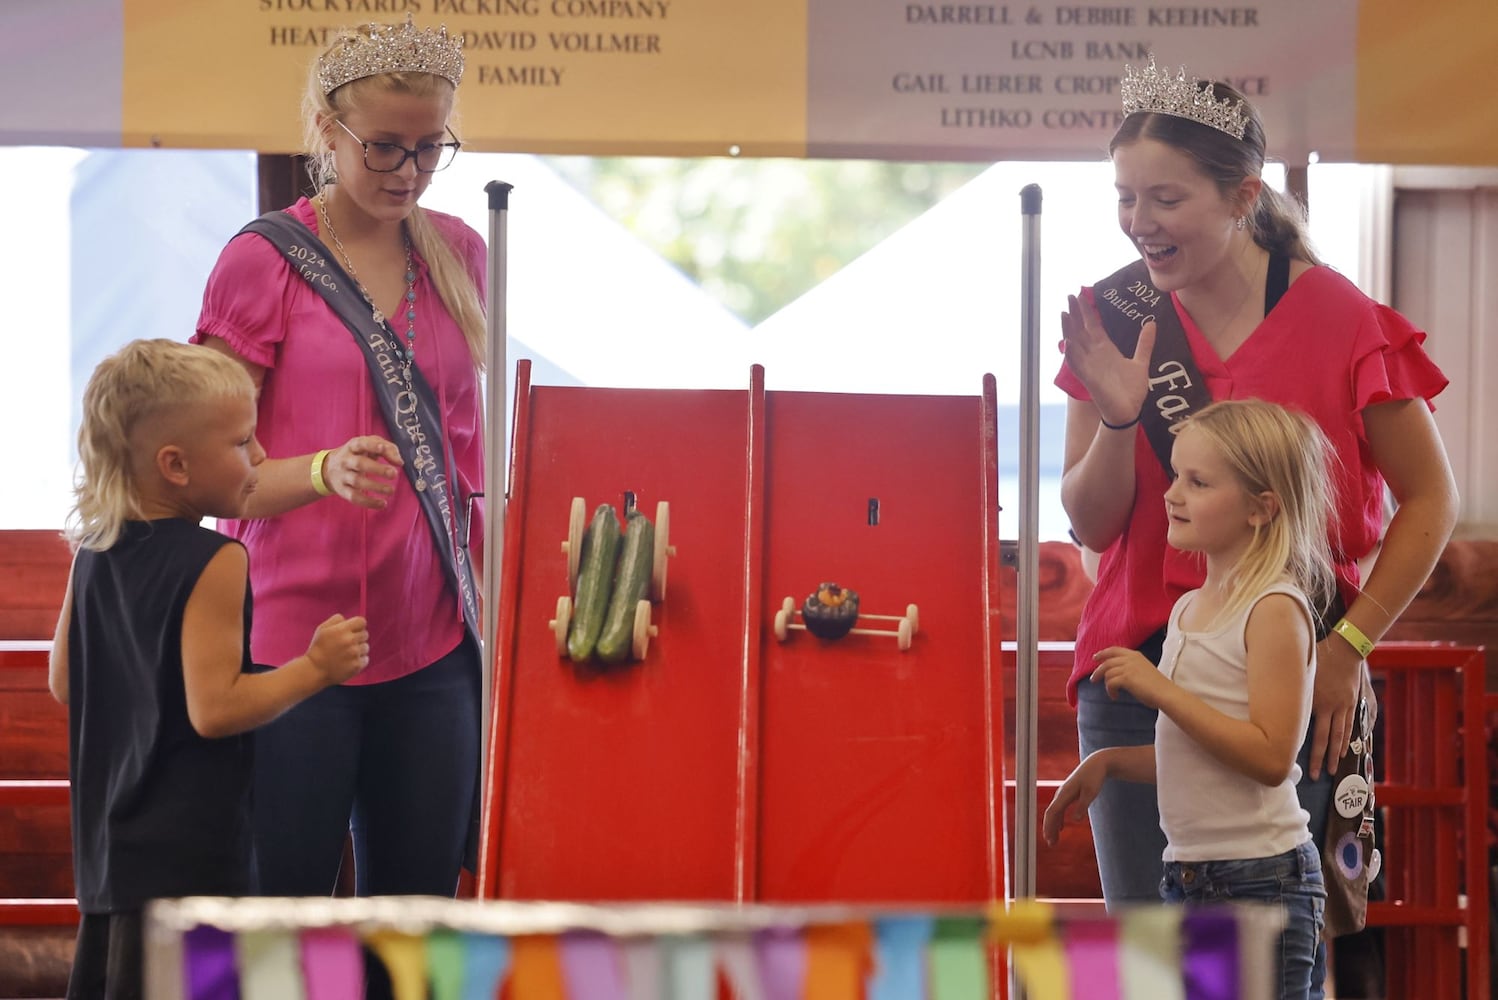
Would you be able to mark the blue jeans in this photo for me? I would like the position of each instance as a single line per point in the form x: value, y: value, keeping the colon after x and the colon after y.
x: 395, y: 764
x: 1293, y: 881
x: 1125, y: 817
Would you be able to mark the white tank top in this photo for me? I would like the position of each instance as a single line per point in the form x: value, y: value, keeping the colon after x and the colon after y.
x: 1209, y: 811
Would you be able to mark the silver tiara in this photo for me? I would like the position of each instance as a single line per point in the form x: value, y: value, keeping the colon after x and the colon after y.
x: 1154, y: 90
x: 389, y: 48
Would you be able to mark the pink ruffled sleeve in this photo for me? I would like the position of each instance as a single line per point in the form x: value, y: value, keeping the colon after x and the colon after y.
x: 248, y: 299
x: 1389, y: 362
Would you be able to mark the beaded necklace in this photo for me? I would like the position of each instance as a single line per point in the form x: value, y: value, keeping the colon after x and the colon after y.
x: 374, y: 310
x: 408, y: 354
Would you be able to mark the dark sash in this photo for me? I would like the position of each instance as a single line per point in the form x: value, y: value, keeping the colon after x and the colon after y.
x: 413, y: 417
x: 1126, y: 300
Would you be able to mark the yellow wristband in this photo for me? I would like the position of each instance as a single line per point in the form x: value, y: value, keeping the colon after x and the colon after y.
x: 1354, y: 637
x: 318, y: 486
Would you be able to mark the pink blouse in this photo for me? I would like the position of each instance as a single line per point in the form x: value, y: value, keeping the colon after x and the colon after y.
x: 1326, y: 349
x: 331, y: 556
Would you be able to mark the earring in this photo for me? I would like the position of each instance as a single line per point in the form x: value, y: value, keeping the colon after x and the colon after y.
x: 1242, y: 223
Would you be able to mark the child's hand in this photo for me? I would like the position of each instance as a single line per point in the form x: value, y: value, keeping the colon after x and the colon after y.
x: 340, y: 648
x: 1073, y: 797
x: 1124, y: 669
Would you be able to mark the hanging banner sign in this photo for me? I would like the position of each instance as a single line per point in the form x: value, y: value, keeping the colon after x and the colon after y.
x: 1041, y: 80
x: 1364, y: 80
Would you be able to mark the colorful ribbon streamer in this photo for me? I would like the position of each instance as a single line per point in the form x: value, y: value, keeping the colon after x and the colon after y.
x: 591, y: 966
x: 644, y: 969
x: 332, y: 964
x: 537, y: 970
x: 1209, y: 954
x: 1092, y: 956
x: 486, y: 962
x: 958, y: 959
x: 782, y: 962
x: 838, y: 959
x: 689, y: 970
x: 211, y: 971
x: 270, y: 966
x: 900, y: 945
x: 735, y: 957
x: 445, y: 965
x: 1140, y: 953
x: 1150, y: 959
x: 405, y: 959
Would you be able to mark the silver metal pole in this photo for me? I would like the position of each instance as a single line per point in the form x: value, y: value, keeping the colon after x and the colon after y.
x: 496, y: 449
x: 1027, y: 563
x: 1028, y: 567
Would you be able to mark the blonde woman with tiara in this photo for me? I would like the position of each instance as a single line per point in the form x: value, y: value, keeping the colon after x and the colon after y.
x: 151, y: 650
x: 358, y: 315
x: 1250, y: 496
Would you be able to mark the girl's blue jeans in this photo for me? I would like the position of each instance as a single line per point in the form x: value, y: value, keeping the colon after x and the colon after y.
x: 1292, y: 880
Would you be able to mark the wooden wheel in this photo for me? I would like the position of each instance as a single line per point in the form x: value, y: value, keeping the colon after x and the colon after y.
x: 562, y: 622
x: 640, y: 644
x: 663, y: 551
x: 913, y: 614
x: 782, y: 622
x: 905, y: 632
x: 789, y: 604
x: 577, y: 523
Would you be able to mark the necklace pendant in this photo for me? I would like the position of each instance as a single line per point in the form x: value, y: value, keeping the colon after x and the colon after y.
x: 421, y: 485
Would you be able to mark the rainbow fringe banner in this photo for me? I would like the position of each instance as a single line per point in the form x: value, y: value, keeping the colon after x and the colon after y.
x: 443, y: 949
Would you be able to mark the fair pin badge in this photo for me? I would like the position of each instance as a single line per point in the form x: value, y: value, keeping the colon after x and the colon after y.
x: 1352, y: 796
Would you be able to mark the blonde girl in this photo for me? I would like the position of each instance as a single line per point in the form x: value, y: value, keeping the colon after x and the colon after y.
x: 1251, y: 497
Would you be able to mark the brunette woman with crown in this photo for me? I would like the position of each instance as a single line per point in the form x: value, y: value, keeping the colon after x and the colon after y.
x: 1233, y: 304
x: 359, y: 316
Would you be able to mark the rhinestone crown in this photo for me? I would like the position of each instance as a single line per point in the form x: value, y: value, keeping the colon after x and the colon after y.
x: 1154, y: 90
x: 390, y: 48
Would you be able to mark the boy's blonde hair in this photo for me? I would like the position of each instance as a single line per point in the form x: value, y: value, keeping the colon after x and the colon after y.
x: 142, y: 381
x: 454, y: 285
x: 1282, y: 451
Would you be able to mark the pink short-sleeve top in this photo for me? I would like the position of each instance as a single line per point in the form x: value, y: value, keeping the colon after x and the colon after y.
x: 1326, y: 349
x: 330, y: 556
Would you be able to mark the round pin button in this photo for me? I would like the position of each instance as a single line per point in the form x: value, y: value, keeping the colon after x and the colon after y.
x: 1349, y: 856
x: 1375, y: 864
x: 1351, y: 796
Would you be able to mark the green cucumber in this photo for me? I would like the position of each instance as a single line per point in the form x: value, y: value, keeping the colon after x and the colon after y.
x: 595, y: 581
x: 631, y: 584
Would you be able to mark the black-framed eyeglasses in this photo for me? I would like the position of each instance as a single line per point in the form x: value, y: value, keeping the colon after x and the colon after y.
x: 388, y: 157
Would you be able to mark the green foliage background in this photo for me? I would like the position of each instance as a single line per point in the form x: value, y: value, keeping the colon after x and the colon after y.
x: 757, y: 234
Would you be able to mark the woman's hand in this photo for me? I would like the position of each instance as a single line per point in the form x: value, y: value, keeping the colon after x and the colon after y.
x: 1334, y: 701
x: 1118, y: 385
x: 363, y: 471
x: 1409, y: 454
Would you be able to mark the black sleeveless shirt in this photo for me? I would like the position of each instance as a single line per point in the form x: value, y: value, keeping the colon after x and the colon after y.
x: 158, y: 811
